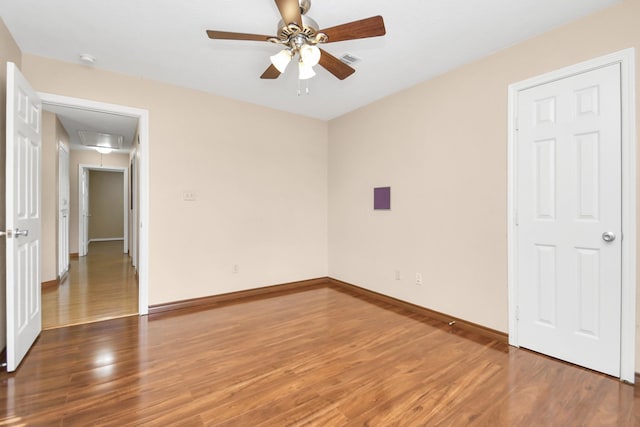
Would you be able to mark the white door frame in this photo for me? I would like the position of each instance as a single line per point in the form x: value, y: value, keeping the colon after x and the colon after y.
x: 626, y: 59
x: 63, y: 231
x: 125, y: 194
x: 143, y: 226
x: 83, y: 212
x: 133, y: 209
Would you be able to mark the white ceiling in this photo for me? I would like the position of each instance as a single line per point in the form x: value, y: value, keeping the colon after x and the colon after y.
x: 76, y: 119
x: 165, y: 40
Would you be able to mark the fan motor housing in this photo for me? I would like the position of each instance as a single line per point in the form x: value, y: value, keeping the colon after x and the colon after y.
x: 309, y: 29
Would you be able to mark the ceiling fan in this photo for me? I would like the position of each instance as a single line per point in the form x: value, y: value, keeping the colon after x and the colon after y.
x: 299, y: 34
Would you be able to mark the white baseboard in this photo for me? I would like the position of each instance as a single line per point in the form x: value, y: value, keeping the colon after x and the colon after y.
x: 107, y: 239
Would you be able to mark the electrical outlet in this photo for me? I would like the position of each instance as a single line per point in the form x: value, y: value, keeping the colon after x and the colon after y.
x: 419, y: 279
x: 235, y: 269
x: 397, y: 274
x: 189, y: 196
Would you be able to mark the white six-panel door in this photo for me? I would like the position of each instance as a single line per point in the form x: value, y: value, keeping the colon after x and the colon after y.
x: 568, y: 197
x: 23, y: 216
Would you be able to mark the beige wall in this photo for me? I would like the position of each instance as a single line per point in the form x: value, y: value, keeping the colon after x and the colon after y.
x: 442, y: 147
x: 9, y: 51
x: 52, y: 134
x: 48, y: 243
x: 87, y: 158
x: 62, y: 140
x: 260, y: 177
x: 106, y: 204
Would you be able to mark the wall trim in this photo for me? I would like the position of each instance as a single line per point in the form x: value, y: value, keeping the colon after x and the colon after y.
x: 213, y: 301
x: 106, y: 239
x: 50, y: 284
x: 626, y: 59
x: 451, y: 321
x: 74, y: 255
x: 204, y: 303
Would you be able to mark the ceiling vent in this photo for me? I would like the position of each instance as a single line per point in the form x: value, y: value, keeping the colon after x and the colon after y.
x: 97, y: 139
x: 350, y: 59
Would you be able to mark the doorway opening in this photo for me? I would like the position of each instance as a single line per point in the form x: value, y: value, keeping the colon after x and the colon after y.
x: 103, y: 206
x: 100, y: 282
x: 113, y: 260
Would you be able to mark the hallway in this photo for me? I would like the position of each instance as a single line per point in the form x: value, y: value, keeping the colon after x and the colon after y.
x: 100, y: 286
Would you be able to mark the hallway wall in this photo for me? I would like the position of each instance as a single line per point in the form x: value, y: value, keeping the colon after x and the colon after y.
x: 106, y: 204
x: 52, y: 134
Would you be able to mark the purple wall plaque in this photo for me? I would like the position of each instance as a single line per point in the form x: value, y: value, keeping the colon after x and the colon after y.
x: 382, y: 198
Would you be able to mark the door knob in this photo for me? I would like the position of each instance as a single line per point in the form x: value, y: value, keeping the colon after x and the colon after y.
x: 608, y: 236
x: 17, y: 232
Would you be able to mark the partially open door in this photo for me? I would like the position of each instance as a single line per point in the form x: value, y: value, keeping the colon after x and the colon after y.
x: 23, y: 216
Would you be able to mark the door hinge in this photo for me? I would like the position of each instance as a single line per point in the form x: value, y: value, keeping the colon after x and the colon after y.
x: 515, y: 218
x: 517, y: 312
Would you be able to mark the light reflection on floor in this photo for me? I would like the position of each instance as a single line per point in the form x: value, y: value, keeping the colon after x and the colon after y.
x: 99, y: 286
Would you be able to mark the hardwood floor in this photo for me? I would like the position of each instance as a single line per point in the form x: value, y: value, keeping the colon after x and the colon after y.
x: 322, y: 356
x: 99, y: 286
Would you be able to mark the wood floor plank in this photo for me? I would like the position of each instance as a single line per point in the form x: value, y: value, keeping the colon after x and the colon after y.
x: 317, y: 357
x: 99, y: 286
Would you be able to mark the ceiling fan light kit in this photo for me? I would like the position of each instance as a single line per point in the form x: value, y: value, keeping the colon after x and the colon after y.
x: 305, y: 71
x: 300, y: 35
x: 281, y: 59
x: 310, y: 55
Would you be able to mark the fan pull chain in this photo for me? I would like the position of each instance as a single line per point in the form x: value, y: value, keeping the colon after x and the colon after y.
x: 306, y: 89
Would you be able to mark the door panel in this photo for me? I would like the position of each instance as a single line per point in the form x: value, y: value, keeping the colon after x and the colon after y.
x: 569, y: 194
x: 23, y: 213
x: 546, y: 285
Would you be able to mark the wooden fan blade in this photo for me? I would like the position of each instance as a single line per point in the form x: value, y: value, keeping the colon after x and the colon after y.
x: 226, y: 35
x: 270, y: 73
x: 290, y: 11
x: 335, y: 66
x: 368, y: 27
